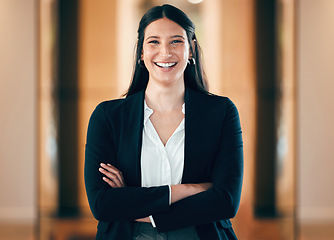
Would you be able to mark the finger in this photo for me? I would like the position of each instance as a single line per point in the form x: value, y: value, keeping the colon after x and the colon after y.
x: 112, y: 169
x: 109, y: 167
x: 115, y: 171
x: 111, y: 183
x: 120, y: 176
x: 111, y: 177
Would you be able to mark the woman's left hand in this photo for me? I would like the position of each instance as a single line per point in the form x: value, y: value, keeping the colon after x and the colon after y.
x: 113, y: 176
x: 147, y: 219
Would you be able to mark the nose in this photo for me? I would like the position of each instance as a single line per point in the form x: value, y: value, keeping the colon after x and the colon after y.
x: 165, y: 51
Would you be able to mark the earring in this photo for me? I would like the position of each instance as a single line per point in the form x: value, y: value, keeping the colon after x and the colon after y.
x: 141, y: 63
x: 192, y: 61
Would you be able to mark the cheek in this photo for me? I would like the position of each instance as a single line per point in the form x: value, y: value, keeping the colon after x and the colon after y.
x: 184, y: 54
x: 148, y: 52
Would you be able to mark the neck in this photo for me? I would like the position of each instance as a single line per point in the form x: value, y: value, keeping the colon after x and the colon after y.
x: 164, y: 98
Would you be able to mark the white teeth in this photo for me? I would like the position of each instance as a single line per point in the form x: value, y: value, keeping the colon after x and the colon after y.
x: 165, y: 65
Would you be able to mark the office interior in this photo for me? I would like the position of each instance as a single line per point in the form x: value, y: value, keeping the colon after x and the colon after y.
x: 273, y: 58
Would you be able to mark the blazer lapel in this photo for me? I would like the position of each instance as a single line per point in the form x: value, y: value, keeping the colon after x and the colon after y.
x: 192, y: 125
x: 131, y: 124
x: 200, y: 128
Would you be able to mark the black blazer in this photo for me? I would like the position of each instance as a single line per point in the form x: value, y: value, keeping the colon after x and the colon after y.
x: 213, y: 153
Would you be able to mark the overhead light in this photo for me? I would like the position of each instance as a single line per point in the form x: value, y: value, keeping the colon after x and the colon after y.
x: 195, y: 1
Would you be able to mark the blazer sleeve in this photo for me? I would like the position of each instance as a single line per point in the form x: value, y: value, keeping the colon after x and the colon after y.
x: 222, y: 200
x: 115, y: 204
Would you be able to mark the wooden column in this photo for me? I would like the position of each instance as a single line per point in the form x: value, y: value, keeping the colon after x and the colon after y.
x: 228, y: 48
x: 97, y: 71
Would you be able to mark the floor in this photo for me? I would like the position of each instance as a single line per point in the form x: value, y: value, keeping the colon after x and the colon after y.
x: 317, y: 231
x: 12, y: 231
x: 84, y: 229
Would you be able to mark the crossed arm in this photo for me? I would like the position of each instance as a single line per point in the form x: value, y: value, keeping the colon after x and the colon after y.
x: 115, y: 179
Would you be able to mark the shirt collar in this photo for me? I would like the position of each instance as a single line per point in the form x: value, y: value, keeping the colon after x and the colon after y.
x: 148, y: 111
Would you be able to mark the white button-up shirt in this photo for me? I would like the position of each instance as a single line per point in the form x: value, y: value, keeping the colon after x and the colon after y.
x: 161, y: 164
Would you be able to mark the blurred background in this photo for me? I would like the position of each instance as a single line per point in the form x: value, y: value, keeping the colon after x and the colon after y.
x: 273, y: 58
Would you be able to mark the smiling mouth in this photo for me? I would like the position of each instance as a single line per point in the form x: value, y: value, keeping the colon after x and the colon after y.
x: 165, y: 65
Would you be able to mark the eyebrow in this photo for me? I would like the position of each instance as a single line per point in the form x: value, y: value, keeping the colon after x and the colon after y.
x: 177, y: 36
x: 174, y: 36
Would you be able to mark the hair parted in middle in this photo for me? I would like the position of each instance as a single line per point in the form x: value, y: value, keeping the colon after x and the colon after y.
x: 194, y: 76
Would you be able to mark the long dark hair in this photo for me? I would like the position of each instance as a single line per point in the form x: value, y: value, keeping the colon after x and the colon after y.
x: 194, y: 76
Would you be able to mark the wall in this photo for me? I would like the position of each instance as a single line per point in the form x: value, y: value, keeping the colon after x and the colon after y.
x: 18, y: 110
x: 315, y: 74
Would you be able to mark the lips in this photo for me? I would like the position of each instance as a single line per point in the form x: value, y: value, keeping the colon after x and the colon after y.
x: 165, y: 65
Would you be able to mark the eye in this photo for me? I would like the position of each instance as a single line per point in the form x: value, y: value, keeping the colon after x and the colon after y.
x: 154, y: 42
x: 177, y: 41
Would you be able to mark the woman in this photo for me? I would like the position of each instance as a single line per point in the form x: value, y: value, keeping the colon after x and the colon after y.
x: 167, y: 160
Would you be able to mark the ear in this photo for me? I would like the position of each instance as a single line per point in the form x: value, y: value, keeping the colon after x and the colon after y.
x: 142, y: 51
x: 193, y: 43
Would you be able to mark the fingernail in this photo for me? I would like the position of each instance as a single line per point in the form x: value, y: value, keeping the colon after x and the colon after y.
x: 101, y: 169
x: 102, y: 164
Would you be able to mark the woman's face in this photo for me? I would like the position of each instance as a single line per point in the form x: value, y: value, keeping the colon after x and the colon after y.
x: 165, y: 51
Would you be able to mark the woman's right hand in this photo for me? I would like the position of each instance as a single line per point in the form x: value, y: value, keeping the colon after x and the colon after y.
x: 181, y: 191
x: 113, y: 176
